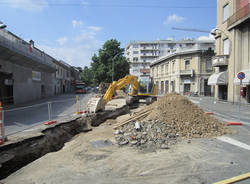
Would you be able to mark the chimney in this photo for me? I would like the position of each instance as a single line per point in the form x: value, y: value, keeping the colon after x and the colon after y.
x: 32, y: 43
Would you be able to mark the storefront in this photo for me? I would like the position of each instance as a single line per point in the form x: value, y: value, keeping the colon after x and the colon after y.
x: 221, y: 81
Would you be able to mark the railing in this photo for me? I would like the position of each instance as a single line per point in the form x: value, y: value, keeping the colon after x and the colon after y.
x: 220, y: 60
x: 187, y: 72
x: 8, y: 40
x: 241, y: 13
x: 149, y: 48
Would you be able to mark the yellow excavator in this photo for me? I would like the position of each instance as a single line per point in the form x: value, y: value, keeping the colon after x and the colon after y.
x: 142, y: 88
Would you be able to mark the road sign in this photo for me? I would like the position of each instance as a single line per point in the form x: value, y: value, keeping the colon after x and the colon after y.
x: 241, y: 75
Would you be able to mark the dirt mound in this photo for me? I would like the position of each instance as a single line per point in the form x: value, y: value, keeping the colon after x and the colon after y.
x: 170, y: 119
x: 187, y: 118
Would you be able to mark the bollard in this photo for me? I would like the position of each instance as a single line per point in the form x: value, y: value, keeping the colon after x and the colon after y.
x: 2, y: 136
x: 77, y: 105
x: 49, y: 110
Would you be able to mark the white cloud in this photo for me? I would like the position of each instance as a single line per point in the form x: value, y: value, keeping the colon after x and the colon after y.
x: 174, y: 19
x: 85, y: 4
x: 77, y: 23
x: 206, y: 38
x: 95, y: 28
x: 77, y: 50
x: 62, y: 40
x: 28, y: 5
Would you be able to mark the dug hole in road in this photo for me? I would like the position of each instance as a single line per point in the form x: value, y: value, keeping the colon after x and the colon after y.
x: 175, y: 144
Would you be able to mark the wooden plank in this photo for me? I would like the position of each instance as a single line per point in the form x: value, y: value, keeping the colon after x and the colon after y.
x: 132, y: 119
x: 235, y: 179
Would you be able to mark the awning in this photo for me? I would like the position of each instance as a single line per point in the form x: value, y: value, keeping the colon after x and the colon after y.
x: 244, y: 81
x: 218, y: 79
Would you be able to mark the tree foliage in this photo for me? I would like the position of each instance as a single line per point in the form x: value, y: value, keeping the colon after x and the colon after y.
x: 101, y: 66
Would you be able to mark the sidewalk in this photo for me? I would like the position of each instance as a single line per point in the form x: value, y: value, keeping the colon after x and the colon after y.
x: 224, y: 110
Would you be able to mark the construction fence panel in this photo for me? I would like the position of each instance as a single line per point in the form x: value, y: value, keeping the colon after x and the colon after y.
x: 23, y: 118
x: 20, y: 119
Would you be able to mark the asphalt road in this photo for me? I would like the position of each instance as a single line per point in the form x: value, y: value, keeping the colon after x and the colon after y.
x: 19, y: 118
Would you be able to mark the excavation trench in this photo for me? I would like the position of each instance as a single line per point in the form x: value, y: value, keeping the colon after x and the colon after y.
x: 16, y: 155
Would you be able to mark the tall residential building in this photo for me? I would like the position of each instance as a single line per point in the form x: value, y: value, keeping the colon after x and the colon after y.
x: 232, y: 50
x: 184, y: 71
x: 142, y: 53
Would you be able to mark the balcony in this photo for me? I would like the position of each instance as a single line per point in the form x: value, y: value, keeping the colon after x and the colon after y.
x: 239, y: 17
x: 149, y: 55
x: 149, y: 48
x: 187, y: 72
x: 18, y: 51
x: 220, y: 60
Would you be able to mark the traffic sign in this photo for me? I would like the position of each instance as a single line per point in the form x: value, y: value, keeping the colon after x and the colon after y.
x: 241, y: 75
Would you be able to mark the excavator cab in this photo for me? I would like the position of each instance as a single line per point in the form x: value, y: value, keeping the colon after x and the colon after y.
x: 146, y: 86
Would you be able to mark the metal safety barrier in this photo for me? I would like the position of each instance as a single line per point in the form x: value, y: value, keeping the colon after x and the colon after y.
x: 23, y: 118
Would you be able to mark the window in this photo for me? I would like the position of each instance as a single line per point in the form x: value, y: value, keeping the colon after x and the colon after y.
x: 162, y: 69
x: 173, y: 69
x: 187, y: 65
x: 144, y: 60
x: 135, y: 46
x: 225, y: 12
x: 135, y: 59
x: 135, y: 52
x: 226, y: 46
x: 209, y: 64
x: 166, y: 68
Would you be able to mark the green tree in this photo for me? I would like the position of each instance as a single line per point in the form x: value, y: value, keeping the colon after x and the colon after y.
x: 86, y: 75
x: 110, y: 54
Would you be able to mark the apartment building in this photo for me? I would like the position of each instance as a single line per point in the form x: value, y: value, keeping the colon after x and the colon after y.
x: 232, y: 50
x: 142, y: 53
x: 184, y: 71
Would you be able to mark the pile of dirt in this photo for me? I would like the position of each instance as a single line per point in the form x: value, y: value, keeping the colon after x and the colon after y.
x: 103, y: 87
x: 120, y: 94
x: 187, y: 118
x: 172, y: 117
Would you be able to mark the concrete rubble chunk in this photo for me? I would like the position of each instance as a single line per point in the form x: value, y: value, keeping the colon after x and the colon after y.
x: 172, y: 118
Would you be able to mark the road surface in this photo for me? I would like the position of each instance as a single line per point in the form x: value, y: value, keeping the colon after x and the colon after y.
x: 19, y: 118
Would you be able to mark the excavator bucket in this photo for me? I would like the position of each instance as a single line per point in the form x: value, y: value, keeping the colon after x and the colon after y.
x: 95, y: 104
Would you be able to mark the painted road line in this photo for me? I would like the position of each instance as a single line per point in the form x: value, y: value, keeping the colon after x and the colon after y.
x: 234, y: 142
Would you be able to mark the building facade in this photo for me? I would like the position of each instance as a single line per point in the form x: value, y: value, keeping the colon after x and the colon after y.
x: 232, y: 50
x: 186, y: 71
x: 142, y: 53
x: 26, y: 73
x: 62, y: 77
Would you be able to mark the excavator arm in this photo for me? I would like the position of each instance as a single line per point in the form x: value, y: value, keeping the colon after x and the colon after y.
x: 116, y: 85
x: 96, y: 103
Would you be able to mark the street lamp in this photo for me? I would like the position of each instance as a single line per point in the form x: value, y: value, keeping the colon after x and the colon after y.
x: 2, y: 25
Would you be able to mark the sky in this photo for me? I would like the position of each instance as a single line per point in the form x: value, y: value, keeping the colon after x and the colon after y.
x: 74, y: 30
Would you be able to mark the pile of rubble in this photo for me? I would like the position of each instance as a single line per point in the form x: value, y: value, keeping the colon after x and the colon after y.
x: 171, y: 118
x: 151, y: 134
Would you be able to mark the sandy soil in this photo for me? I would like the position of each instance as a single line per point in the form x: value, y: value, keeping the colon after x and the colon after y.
x: 80, y: 161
